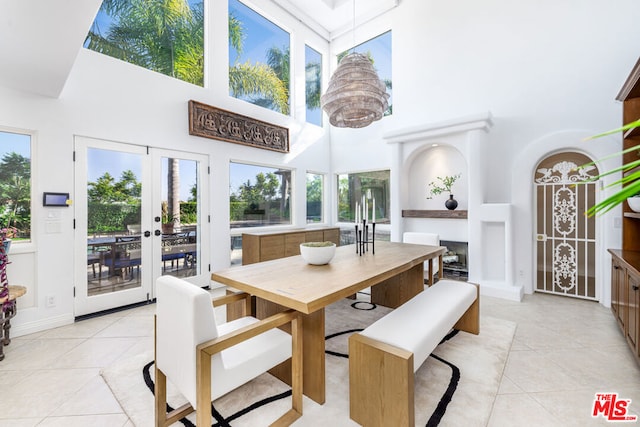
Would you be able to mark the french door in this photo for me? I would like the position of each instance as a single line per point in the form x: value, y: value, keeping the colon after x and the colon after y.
x: 138, y: 215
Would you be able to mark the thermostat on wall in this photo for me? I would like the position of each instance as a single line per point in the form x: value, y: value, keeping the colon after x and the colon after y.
x: 55, y: 199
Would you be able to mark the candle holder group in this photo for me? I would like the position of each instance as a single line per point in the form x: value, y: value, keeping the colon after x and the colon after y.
x: 362, y: 238
x: 362, y: 226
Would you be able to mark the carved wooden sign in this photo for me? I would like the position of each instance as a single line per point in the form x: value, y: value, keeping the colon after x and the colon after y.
x: 215, y: 123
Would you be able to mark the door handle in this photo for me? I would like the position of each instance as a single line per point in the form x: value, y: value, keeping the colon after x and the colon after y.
x: 147, y: 233
x: 157, y: 232
x: 635, y: 288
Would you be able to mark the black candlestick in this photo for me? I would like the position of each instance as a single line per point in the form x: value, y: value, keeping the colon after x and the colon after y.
x: 362, y: 238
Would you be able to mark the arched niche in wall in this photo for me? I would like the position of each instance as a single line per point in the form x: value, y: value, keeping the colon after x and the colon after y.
x: 426, y: 166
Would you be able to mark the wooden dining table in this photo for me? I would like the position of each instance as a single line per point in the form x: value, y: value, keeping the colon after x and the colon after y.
x: 395, y: 274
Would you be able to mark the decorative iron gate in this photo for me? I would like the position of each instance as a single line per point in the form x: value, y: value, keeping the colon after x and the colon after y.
x: 565, y: 236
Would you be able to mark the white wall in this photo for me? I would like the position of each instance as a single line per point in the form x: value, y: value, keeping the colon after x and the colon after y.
x: 542, y: 68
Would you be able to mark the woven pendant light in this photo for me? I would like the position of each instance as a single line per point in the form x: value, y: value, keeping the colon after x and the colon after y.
x: 356, y: 97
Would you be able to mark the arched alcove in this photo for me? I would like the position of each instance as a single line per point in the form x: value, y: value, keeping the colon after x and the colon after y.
x: 428, y: 164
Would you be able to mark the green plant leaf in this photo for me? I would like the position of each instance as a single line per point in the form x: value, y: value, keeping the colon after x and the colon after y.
x: 628, y: 126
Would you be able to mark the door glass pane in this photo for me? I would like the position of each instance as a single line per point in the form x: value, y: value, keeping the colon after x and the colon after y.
x: 180, y: 213
x: 113, y: 221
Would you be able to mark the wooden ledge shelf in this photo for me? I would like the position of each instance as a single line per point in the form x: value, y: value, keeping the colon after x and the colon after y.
x: 434, y: 214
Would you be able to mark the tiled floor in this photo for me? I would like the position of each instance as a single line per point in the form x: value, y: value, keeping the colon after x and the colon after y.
x: 564, y: 352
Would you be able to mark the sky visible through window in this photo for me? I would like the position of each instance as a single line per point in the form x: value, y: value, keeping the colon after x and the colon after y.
x: 104, y: 21
x: 259, y: 37
x: 240, y: 173
x: 15, y: 143
x: 313, y: 84
x: 380, y: 49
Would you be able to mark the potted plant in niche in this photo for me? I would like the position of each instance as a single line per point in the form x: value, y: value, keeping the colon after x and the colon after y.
x: 444, y: 185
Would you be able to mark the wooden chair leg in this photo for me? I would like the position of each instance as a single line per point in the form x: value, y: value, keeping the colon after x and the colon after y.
x: 296, y: 365
x: 160, y: 397
x: 203, y: 389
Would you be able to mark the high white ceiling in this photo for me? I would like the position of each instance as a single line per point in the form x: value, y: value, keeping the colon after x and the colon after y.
x: 39, y: 40
x: 330, y: 18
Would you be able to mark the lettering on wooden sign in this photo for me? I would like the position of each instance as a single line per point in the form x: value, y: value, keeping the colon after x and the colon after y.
x: 211, y: 122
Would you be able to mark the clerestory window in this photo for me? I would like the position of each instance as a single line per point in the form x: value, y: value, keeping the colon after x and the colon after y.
x: 259, y: 59
x: 162, y: 36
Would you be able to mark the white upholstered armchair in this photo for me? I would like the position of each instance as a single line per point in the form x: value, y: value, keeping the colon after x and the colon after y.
x: 205, y: 360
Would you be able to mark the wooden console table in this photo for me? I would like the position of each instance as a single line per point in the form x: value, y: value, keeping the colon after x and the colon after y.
x: 15, y: 292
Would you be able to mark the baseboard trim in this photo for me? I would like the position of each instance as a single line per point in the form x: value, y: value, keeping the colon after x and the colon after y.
x: 41, y: 325
x: 501, y: 290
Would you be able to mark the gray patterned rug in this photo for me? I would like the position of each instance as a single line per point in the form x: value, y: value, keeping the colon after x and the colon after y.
x: 456, y: 386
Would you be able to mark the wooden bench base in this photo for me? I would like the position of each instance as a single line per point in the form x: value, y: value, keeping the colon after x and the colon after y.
x: 381, y: 377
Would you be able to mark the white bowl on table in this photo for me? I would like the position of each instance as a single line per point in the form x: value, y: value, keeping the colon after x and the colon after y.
x: 318, y: 253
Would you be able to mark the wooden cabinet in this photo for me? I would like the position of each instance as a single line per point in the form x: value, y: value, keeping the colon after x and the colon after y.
x: 617, y: 281
x: 265, y: 246
x: 630, y: 97
x: 633, y: 284
x: 625, y: 263
x: 625, y: 295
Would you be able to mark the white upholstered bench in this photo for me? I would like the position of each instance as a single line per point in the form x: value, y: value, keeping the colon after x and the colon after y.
x: 384, y: 357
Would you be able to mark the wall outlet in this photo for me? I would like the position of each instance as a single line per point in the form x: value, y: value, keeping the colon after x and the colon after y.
x: 50, y: 301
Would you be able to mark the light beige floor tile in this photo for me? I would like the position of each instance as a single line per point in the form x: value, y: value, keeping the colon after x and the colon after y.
x: 20, y: 422
x: 534, y: 372
x: 112, y: 420
x: 599, y: 369
x: 94, y: 398
x: 520, y: 410
x: 82, y: 329
x: 37, y: 354
x: 519, y: 345
x: 508, y: 387
x: 95, y: 353
x: 40, y: 394
x: 130, y: 326
x: 142, y: 345
x: 143, y: 310
x: 537, y: 336
x: 9, y: 378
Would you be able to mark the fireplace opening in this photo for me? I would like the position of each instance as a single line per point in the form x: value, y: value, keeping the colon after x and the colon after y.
x: 455, y: 260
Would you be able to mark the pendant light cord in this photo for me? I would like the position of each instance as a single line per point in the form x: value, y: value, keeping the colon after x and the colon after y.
x: 353, y: 33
